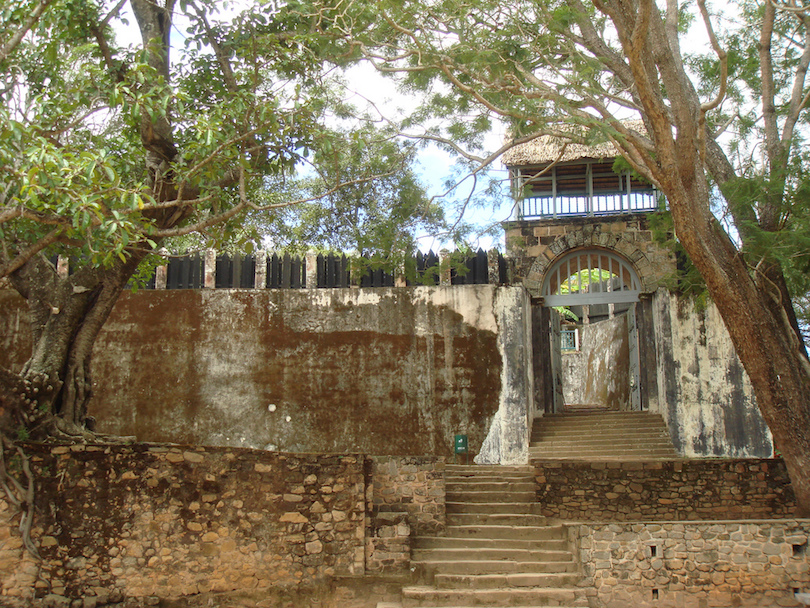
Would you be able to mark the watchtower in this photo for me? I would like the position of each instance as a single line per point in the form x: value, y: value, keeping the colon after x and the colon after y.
x: 582, y: 245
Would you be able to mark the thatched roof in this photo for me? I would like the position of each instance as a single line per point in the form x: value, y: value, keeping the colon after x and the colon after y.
x: 545, y: 149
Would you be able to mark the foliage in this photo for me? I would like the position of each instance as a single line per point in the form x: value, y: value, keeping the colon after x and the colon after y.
x: 380, y: 217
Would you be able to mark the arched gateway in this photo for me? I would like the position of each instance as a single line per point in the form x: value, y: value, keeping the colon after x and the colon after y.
x: 598, y: 288
x: 590, y: 276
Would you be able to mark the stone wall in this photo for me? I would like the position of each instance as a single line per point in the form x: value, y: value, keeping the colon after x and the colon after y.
x: 598, y: 374
x: 147, y: 520
x: 661, y: 491
x: 751, y: 564
x: 378, y: 371
x: 411, y: 485
x: 534, y: 244
x: 703, y: 391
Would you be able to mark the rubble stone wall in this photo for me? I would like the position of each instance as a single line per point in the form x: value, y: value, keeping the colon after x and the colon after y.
x: 665, y: 490
x: 412, y: 485
x: 756, y: 564
x: 116, y: 522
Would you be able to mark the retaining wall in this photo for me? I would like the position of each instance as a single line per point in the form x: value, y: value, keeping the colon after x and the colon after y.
x: 373, y: 371
x: 756, y: 564
x: 115, y: 522
x: 665, y: 490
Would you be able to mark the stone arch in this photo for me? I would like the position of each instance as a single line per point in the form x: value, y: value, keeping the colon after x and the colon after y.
x: 621, y: 243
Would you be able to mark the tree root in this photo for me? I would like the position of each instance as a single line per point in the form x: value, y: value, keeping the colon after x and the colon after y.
x: 19, y: 495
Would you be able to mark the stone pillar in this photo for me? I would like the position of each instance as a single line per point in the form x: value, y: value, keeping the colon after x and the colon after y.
x: 312, y: 270
x: 493, y: 269
x: 161, y: 276
x: 444, y: 268
x: 162, y: 271
x: 210, y: 281
x: 260, y: 276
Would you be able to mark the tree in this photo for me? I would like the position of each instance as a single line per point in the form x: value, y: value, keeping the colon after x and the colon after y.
x: 107, y: 149
x: 379, y: 212
x: 579, y: 69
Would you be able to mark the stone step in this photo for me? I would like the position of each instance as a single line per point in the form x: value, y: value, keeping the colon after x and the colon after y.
x: 486, y: 477
x: 524, y: 485
x: 423, y: 596
x: 627, y: 455
x: 645, y: 424
x: 506, y: 532
x: 585, y: 448
x: 428, y: 568
x: 473, y: 544
x: 601, y: 414
x: 512, y: 508
x: 486, y: 471
x: 495, y: 519
x: 489, y: 554
x: 598, y: 439
x: 497, y: 581
x: 491, y: 497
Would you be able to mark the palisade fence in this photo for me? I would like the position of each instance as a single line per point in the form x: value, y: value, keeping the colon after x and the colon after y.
x: 284, y: 271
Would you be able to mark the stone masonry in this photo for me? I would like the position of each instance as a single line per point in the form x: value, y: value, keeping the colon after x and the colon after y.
x: 756, y: 564
x: 168, y: 522
x: 664, y: 490
x: 534, y: 244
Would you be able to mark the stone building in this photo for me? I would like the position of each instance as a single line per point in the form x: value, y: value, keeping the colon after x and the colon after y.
x: 609, y: 332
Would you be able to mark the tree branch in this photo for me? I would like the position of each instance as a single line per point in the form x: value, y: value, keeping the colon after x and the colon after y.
x: 15, y: 40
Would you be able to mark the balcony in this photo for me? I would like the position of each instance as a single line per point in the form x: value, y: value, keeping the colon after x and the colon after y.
x: 581, y: 188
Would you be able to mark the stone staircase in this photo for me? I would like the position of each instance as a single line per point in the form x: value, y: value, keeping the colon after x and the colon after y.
x: 601, y: 435
x: 497, y: 550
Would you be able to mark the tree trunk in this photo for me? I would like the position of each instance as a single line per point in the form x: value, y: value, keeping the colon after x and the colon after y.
x: 762, y: 334
x: 51, y: 393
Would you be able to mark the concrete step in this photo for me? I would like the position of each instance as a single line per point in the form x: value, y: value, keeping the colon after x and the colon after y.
x: 495, y: 519
x: 473, y: 544
x: 497, y: 581
x: 423, y: 596
x: 506, y: 532
x: 512, y: 508
x: 491, y: 497
x: 586, y: 449
x: 524, y: 485
x: 593, y: 455
x: 599, y: 439
x: 490, y: 554
x: 454, y: 470
x: 428, y: 568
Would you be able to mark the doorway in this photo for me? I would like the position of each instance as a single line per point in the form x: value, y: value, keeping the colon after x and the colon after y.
x: 588, y: 332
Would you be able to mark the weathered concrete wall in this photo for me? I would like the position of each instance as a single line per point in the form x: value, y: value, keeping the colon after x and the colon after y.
x: 507, y: 440
x: 385, y: 371
x: 599, y: 374
x: 751, y: 564
x: 705, y: 489
x: 704, y: 393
